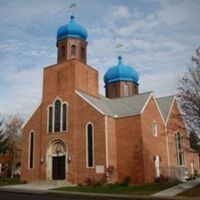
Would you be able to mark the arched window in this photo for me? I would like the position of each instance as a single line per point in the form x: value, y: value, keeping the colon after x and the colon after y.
x: 83, y: 53
x: 57, y: 116
x: 179, y: 148
x: 64, y: 120
x: 90, y: 145
x: 126, y: 90
x: 73, y: 50
x: 50, y: 122
x: 155, y: 129
x: 31, y: 149
x: 63, y: 51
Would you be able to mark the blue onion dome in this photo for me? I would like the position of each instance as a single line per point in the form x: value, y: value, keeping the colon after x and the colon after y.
x: 72, y: 30
x: 121, y: 72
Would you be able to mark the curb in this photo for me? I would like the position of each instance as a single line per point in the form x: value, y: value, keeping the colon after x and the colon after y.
x: 95, y: 196
x: 90, y: 196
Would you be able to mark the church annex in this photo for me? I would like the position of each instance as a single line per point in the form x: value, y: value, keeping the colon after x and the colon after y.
x: 76, y: 133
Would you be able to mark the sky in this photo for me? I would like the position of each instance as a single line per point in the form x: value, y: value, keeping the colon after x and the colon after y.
x: 158, y: 36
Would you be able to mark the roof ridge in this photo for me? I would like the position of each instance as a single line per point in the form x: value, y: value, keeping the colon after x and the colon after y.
x: 166, y: 96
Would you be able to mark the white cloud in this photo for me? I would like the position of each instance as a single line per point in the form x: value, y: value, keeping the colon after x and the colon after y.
x: 179, y: 12
x: 11, y: 45
x: 158, y: 42
x: 120, y: 12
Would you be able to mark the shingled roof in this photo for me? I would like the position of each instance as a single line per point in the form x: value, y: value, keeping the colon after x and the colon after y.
x: 118, y: 107
x: 165, y: 105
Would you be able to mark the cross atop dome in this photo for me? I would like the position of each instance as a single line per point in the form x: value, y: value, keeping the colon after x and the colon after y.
x: 72, y: 7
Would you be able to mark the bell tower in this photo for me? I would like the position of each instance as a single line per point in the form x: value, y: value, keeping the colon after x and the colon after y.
x: 72, y: 42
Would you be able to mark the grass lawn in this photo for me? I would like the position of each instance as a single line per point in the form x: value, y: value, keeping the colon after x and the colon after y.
x: 193, y: 192
x: 9, y: 181
x: 145, y: 189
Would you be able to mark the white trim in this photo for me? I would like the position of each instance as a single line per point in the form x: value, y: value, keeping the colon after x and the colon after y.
x: 32, y: 113
x: 168, y: 155
x: 106, y: 140
x: 182, y: 148
x: 159, y: 110
x: 51, y: 119
x: 50, y: 155
x: 157, y: 165
x: 67, y: 116
x: 57, y: 99
x: 154, y: 128
x: 186, y: 127
x: 86, y: 127
x: 29, y: 149
x: 78, y: 93
x: 170, y: 109
x: 145, y: 105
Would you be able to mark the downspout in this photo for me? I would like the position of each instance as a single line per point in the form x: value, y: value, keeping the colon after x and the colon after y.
x: 106, y: 140
x: 168, y: 156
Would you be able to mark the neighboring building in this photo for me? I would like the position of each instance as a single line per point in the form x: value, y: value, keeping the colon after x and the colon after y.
x: 10, y: 163
x: 76, y: 133
x: 6, y: 164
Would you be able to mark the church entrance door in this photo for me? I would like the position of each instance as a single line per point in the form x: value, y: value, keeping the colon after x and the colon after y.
x: 58, y: 172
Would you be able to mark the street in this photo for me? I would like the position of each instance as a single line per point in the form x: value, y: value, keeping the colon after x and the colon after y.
x: 6, y: 195
x: 29, y: 196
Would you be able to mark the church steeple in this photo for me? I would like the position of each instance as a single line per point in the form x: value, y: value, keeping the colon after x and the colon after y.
x: 72, y: 42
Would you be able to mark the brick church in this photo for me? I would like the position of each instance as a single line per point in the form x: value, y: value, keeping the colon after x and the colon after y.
x: 76, y: 133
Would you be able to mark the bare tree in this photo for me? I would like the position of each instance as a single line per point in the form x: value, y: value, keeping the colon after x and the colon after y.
x: 189, y: 94
x: 13, y: 133
x: 195, y: 141
x: 3, y: 140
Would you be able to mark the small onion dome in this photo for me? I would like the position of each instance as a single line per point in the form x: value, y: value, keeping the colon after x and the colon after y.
x: 121, y: 72
x: 72, y: 30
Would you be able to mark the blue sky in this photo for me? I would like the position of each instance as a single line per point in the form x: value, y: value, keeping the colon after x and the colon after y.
x: 159, y: 38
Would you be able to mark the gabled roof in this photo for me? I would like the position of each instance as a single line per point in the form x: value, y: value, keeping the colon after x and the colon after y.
x: 119, y: 107
x: 165, y: 104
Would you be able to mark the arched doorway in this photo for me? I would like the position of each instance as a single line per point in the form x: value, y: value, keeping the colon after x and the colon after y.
x: 57, y: 160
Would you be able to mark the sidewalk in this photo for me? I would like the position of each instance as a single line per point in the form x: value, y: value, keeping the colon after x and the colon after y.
x: 173, y: 191
x: 45, y: 188
x: 35, y: 187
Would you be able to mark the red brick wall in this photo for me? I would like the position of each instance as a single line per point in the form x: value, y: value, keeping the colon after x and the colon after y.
x: 67, y: 43
x: 114, y: 90
x: 59, y: 82
x: 86, y: 79
x: 84, y: 114
x: 152, y: 145
x: 112, y: 147
x: 175, y: 124
x: 129, y: 149
x: 32, y: 125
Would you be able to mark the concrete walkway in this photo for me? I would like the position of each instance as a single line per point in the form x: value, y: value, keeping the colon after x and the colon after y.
x: 37, y: 187
x: 173, y: 191
x: 43, y: 187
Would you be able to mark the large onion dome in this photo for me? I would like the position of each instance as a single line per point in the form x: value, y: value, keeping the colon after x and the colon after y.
x: 72, y: 30
x: 121, y: 72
